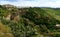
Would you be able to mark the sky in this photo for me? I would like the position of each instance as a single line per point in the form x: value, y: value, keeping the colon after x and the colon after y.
x: 32, y: 3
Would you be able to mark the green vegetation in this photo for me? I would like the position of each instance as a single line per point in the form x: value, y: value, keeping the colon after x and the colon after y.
x: 29, y: 22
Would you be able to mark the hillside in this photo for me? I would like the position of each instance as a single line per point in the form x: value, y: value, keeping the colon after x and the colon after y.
x: 55, y: 12
x: 29, y: 22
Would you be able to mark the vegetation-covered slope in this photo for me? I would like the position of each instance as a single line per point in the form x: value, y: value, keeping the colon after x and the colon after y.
x: 30, y: 22
x: 54, y: 12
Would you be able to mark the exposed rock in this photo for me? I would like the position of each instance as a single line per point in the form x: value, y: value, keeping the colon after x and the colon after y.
x: 7, y: 17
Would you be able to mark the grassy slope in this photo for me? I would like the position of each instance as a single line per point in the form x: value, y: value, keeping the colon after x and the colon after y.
x: 53, y: 13
x: 5, y: 31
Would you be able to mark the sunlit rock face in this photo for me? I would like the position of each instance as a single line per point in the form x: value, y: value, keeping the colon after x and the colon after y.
x: 8, y: 5
x: 57, y: 26
x: 7, y: 17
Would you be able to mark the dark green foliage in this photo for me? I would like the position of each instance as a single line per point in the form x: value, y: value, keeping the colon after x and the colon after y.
x: 20, y: 29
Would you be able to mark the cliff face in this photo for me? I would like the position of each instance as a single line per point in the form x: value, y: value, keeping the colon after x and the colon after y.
x: 30, y: 22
